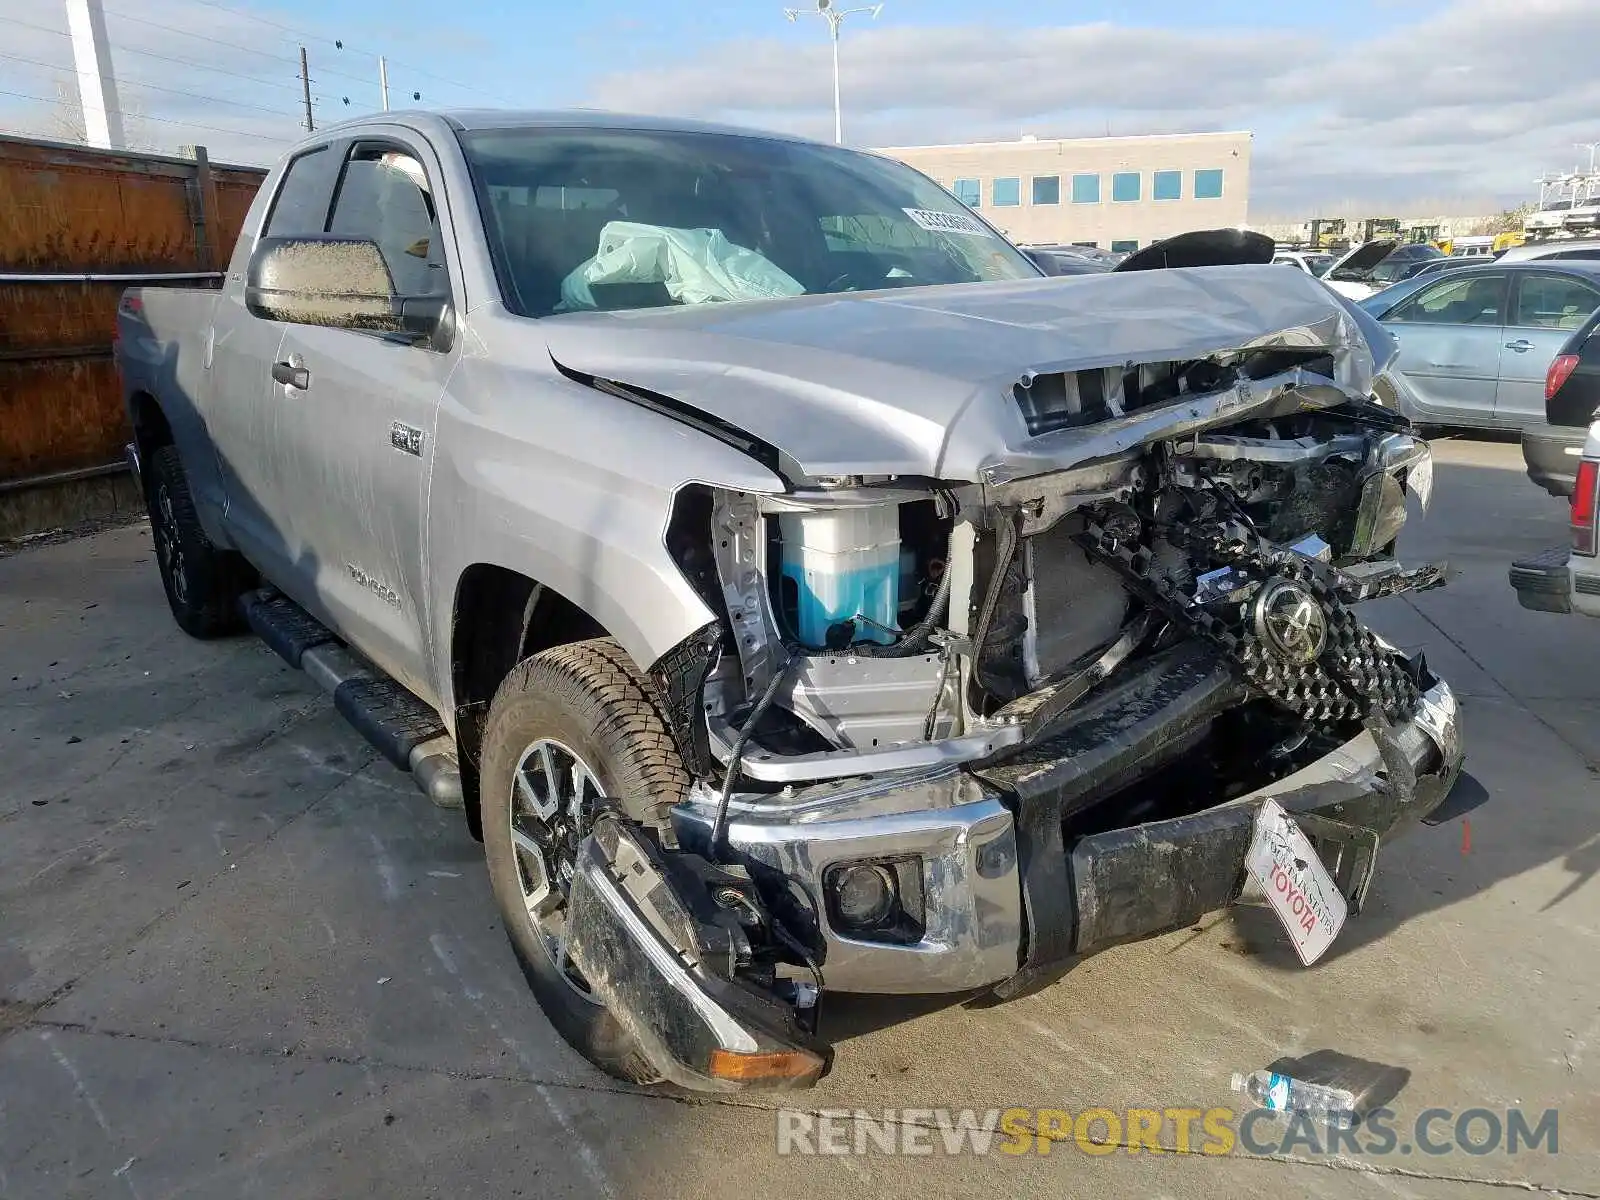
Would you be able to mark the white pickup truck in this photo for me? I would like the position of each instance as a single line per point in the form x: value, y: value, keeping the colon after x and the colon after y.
x: 798, y: 591
x: 1566, y: 579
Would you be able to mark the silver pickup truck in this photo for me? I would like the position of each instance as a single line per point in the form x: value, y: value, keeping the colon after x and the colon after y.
x: 798, y: 591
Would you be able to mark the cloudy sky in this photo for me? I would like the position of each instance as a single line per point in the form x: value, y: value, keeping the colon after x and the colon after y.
x: 1401, y: 105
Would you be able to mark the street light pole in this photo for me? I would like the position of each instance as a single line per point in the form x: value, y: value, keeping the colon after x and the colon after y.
x: 838, y: 111
x: 835, y: 18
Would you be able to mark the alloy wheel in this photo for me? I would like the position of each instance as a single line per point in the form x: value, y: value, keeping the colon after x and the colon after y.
x: 554, y: 797
x: 169, y: 547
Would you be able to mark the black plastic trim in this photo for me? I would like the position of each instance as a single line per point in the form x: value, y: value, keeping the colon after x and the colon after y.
x: 725, y: 432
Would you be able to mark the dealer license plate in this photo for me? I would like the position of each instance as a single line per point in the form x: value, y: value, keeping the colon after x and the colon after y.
x: 1287, y: 868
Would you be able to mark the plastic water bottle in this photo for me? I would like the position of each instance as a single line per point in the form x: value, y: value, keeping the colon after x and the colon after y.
x: 1283, y: 1093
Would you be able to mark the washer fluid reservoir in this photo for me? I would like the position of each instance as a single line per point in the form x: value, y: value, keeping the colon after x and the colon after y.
x: 845, y: 564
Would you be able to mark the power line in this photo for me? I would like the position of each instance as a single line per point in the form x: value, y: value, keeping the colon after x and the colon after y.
x: 289, y: 29
x: 160, y: 120
x: 467, y: 87
x: 182, y: 62
x: 231, y: 45
x: 339, y: 44
x: 155, y: 87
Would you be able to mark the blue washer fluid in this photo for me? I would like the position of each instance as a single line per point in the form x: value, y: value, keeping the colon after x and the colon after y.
x: 845, y: 563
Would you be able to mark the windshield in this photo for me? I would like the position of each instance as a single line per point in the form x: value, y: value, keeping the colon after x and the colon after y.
x: 584, y: 219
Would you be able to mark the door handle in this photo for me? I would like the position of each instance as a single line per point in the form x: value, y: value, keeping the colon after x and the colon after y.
x: 291, y: 376
x: 1521, y: 345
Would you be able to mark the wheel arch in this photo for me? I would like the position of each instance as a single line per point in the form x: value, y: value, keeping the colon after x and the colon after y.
x: 500, y: 616
x: 151, y: 429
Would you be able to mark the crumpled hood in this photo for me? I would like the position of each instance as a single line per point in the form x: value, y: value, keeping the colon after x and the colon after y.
x: 918, y: 381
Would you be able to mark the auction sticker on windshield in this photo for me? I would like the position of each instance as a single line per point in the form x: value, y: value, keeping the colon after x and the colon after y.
x: 1298, y: 887
x: 941, y: 222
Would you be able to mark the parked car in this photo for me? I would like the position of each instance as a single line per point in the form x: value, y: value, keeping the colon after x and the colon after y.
x: 1476, y: 344
x: 1571, y: 399
x: 799, y: 592
x: 1309, y: 261
x: 1103, y: 258
x: 1373, y: 266
x: 1432, y: 266
x: 1559, y: 250
x: 1197, y: 248
x: 1566, y: 579
x: 1055, y: 262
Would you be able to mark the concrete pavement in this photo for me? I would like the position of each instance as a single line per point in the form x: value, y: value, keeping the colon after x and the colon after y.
x: 241, y: 956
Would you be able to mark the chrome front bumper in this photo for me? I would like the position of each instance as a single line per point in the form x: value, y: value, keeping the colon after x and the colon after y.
x: 1122, y: 886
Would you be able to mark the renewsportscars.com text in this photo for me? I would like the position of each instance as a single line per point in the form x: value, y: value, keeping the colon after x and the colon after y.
x: 1209, y: 1131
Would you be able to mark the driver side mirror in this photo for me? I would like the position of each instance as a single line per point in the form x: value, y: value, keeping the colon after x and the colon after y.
x: 339, y: 283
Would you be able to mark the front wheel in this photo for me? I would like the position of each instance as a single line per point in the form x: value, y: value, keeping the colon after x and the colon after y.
x: 571, y: 732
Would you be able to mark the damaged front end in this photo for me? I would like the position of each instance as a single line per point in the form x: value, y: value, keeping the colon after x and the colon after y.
x: 959, y: 733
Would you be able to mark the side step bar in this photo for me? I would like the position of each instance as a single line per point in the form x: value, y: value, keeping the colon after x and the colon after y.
x: 402, y: 728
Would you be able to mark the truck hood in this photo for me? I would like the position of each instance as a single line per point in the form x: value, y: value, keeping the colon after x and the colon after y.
x: 919, y: 381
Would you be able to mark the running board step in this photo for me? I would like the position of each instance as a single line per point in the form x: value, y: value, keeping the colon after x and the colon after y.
x: 402, y: 728
x: 283, y: 625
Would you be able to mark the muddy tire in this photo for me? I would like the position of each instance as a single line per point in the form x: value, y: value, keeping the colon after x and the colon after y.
x: 203, y: 583
x: 570, y: 729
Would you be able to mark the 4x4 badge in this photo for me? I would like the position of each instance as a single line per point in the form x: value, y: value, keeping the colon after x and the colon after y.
x: 406, y: 437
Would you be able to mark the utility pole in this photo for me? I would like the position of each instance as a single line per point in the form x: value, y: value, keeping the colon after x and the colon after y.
x: 305, y: 88
x: 835, y: 18
x: 97, y: 84
x: 383, y: 80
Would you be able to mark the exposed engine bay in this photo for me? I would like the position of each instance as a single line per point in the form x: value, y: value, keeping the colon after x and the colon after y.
x: 951, y: 734
x: 875, y: 626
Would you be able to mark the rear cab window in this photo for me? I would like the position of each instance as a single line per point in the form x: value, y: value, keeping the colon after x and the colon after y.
x: 300, y: 209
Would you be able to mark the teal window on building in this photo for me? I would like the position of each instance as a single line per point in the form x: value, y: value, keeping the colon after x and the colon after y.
x: 1127, y: 247
x: 1208, y: 184
x: 1125, y: 187
x: 1047, y: 189
x: 1167, y: 185
x: 1006, y: 193
x: 1086, y: 189
x: 967, y: 191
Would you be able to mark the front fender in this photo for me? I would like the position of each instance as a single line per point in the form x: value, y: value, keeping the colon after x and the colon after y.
x: 572, y: 488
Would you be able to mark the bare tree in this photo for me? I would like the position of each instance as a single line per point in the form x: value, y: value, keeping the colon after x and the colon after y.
x: 1506, y: 222
x: 65, y: 121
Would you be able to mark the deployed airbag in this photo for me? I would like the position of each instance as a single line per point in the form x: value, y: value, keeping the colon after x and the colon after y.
x: 697, y: 266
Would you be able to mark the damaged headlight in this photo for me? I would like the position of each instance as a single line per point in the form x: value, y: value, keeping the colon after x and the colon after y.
x: 1398, y: 464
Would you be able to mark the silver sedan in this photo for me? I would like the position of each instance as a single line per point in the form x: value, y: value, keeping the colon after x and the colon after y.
x: 1476, y: 342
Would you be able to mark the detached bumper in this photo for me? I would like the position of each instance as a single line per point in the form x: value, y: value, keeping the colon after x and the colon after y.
x: 1135, y: 883
x: 1004, y: 898
x: 1551, y: 454
x: 643, y: 952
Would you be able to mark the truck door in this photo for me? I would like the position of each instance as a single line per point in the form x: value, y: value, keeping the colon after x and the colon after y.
x: 242, y: 405
x: 360, y: 433
x: 1545, y: 310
